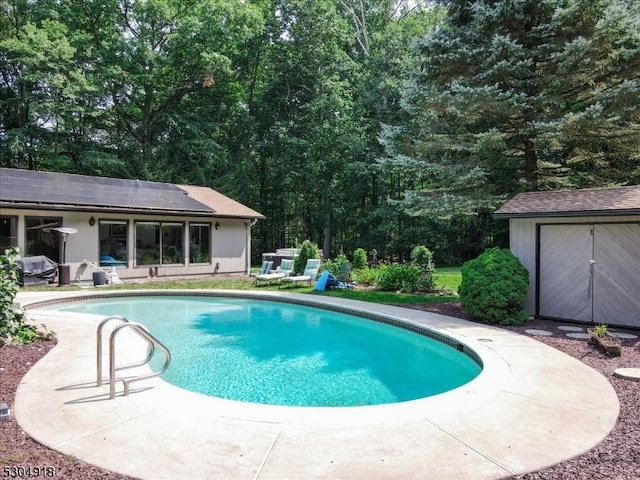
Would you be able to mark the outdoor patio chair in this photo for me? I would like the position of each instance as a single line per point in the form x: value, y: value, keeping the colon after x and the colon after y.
x: 285, y: 268
x: 265, y: 267
x: 344, y: 278
x: 345, y: 273
x: 310, y: 273
x: 327, y: 280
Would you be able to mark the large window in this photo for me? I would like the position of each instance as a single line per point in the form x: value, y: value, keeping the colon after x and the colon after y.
x: 147, y: 243
x: 172, y: 243
x: 8, y: 233
x: 199, y: 243
x: 113, y: 243
x: 41, y: 240
x: 159, y: 243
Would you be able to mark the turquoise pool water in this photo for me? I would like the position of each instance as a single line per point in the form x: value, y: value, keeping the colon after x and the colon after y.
x: 286, y: 354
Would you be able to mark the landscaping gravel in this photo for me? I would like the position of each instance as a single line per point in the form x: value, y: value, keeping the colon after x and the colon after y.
x: 616, y: 458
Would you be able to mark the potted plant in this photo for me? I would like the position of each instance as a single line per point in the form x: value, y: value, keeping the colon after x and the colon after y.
x: 604, y: 341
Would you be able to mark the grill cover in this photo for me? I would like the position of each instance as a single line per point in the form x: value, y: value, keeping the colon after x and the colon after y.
x: 38, y: 266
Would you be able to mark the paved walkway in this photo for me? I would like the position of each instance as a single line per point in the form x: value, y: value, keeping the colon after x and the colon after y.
x: 531, y: 407
x: 573, y: 331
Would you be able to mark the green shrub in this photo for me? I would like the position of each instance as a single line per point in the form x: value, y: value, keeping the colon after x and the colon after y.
x: 9, y: 282
x: 359, y: 258
x: 426, y: 283
x: 494, y: 288
x: 365, y: 275
x: 398, y: 277
x: 307, y: 250
x: 423, y: 258
x: 335, y: 266
x: 12, y: 326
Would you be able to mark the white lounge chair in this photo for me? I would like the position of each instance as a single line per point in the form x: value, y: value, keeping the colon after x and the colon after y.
x: 265, y: 267
x: 285, y: 268
x: 310, y: 273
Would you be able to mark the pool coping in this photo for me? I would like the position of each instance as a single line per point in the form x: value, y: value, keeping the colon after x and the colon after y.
x: 531, y: 407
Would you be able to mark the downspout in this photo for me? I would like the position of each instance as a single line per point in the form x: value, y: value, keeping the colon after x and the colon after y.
x: 248, y: 242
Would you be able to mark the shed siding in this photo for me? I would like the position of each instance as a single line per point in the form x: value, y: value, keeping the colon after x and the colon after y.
x: 523, y: 241
x: 565, y: 287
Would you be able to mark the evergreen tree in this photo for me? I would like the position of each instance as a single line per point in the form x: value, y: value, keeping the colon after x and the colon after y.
x: 517, y: 95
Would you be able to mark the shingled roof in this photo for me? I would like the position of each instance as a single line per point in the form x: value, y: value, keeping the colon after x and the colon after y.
x: 223, y: 205
x: 571, y: 203
x: 63, y: 191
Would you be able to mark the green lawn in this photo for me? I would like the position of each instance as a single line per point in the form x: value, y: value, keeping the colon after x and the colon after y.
x: 377, y: 296
x: 446, y: 278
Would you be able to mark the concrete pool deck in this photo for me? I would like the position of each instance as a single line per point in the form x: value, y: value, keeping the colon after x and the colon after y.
x: 530, y: 408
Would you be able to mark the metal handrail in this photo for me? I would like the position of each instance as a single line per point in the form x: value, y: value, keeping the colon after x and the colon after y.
x: 150, y: 348
x: 141, y: 330
x: 99, y: 345
x: 153, y: 341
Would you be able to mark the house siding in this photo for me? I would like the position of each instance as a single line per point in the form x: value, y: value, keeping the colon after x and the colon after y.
x: 230, y: 243
x: 228, y: 249
x: 523, y: 242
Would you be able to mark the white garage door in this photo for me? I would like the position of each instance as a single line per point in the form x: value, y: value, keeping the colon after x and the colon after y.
x: 590, y: 273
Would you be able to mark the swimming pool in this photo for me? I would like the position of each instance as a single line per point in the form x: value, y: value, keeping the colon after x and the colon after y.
x: 289, y: 354
x: 525, y: 391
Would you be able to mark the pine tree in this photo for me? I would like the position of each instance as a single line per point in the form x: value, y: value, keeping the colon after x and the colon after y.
x: 520, y: 95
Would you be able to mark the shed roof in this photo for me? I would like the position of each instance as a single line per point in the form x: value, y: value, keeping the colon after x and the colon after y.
x: 64, y: 191
x: 571, y: 203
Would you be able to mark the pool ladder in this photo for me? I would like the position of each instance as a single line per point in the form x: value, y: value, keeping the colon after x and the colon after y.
x: 152, y: 343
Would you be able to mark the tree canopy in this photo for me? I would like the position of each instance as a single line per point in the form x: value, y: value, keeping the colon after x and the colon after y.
x: 375, y: 124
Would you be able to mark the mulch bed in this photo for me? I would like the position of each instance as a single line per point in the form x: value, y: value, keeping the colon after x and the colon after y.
x: 17, y: 449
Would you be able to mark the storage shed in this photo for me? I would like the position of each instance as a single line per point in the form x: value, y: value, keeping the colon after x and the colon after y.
x: 582, y: 251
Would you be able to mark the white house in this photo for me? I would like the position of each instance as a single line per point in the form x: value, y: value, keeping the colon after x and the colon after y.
x: 582, y: 251
x: 140, y: 228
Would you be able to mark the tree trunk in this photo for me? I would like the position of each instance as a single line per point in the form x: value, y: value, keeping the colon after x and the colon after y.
x: 326, y: 243
x: 530, y: 166
x: 147, y: 120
